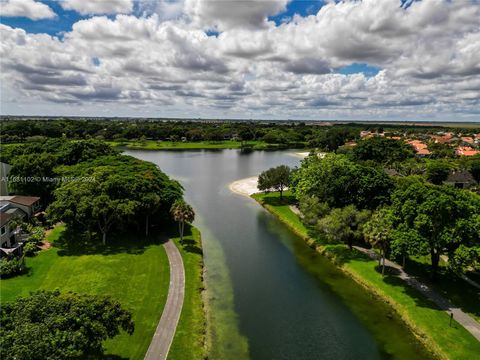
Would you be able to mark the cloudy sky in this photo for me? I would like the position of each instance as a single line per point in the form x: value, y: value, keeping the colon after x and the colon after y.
x: 276, y: 59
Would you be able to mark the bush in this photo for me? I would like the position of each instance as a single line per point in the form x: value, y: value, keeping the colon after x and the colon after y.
x: 11, y: 267
x: 37, y: 233
x: 30, y: 249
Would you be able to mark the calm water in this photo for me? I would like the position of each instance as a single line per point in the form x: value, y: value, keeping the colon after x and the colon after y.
x: 272, y: 297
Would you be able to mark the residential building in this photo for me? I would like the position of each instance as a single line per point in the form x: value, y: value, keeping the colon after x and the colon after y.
x: 420, y: 147
x: 466, y: 151
x: 460, y: 179
x: 12, y: 208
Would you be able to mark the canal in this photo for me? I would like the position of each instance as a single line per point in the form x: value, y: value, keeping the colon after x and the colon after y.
x: 269, y: 295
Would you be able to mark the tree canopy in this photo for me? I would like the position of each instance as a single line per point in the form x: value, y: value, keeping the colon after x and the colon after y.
x: 277, y: 178
x: 442, y: 218
x: 113, y: 190
x: 339, y: 182
x: 382, y: 150
x: 52, y: 325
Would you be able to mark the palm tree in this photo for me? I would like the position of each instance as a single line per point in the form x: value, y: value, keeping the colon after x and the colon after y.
x: 182, y: 212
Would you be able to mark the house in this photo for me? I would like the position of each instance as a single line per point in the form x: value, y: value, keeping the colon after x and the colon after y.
x: 11, y: 209
x: 366, y: 134
x: 420, y: 147
x: 28, y: 204
x: 468, y: 140
x: 460, y: 179
x: 466, y: 151
x: 442, y: 139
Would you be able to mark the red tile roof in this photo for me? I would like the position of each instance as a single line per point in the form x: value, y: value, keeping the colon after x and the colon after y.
x: 466, y: 151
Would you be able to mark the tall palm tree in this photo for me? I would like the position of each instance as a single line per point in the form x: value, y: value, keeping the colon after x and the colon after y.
x: 182, y: 213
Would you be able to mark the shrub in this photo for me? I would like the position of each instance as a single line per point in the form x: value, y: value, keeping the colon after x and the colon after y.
x: 11, y: 267
x: 30, y: 249
x: 37, y: 233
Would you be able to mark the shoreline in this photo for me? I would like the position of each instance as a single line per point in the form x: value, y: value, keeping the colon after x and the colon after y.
x: 245, y: 187
x: 430, y: 344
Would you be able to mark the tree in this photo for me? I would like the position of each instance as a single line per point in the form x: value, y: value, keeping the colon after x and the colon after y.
x: 333, y: 138
x: 182, y: 213
x: 312, y: 209
x: 475, y: 169
x: 382, y: 150
x: 339, y: 182
x: 51, y: 325
x: 343, y: 225
x: 437, y: 171
x: 277, y: 178
x: 443, y: 217
x: 378, y: 232
x: 113, y: 191
x: 34, y: 172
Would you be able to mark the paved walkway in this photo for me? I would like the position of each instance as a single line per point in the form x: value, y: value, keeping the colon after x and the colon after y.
x: 469, y: 323
x: 163, y: 337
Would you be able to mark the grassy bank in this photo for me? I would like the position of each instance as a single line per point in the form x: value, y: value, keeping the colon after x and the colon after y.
x: 131, y: 269
x: 189, y: 340
x: 197, y: 145
x: 429, y: 324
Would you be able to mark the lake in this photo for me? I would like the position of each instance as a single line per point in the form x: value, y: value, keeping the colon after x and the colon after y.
x: 269, y: 295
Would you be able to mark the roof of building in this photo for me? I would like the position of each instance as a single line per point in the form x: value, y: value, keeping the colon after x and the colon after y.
x: 460, y: 177
x: 4, y: 218
x: 466, y: 151
x: 468, y: 139
x: 24, y: 200
x: 420, y: 147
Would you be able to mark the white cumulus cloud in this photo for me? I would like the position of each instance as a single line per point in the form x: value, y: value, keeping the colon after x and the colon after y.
x: 89, y: 7
x: 427, y: 56
x: 26, y: 8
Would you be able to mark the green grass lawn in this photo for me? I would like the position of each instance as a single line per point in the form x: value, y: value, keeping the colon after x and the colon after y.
x: 425, y: 319
x: 132, y: 270
x: 189, y: 341
x: 179, y: 145
x: 198, y: 145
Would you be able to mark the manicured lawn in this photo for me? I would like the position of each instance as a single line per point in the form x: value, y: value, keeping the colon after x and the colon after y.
x: 281, y: 209
x: 189, y: 339
x: 431, y: 324
x: 132, y: 270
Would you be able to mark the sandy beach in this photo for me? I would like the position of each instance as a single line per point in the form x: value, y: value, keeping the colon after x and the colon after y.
x: 245, y: 187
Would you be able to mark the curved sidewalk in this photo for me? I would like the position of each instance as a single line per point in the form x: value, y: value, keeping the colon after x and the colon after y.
x: 163, y: 337
x: 468, y: 322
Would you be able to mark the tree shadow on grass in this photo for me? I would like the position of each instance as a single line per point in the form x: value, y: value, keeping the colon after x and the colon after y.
x: 73, y: 243
x: 110, y: 357
x: 189, y: 244
x: 274, y: 200
x: 341, y: 254
x: 449, y: 285
x: 420, y: 299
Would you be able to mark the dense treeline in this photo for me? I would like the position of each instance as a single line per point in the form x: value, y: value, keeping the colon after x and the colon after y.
x: 347, y: 198
x: 90, y: 186
x: 298, y: 134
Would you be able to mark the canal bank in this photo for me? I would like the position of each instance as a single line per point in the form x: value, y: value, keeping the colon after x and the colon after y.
x: 426, y: 321
x: 269, y: 294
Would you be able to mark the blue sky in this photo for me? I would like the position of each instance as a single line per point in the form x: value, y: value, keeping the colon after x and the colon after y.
x: 66, y: 18
x: 356, y: 60
x: 61, y: 23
